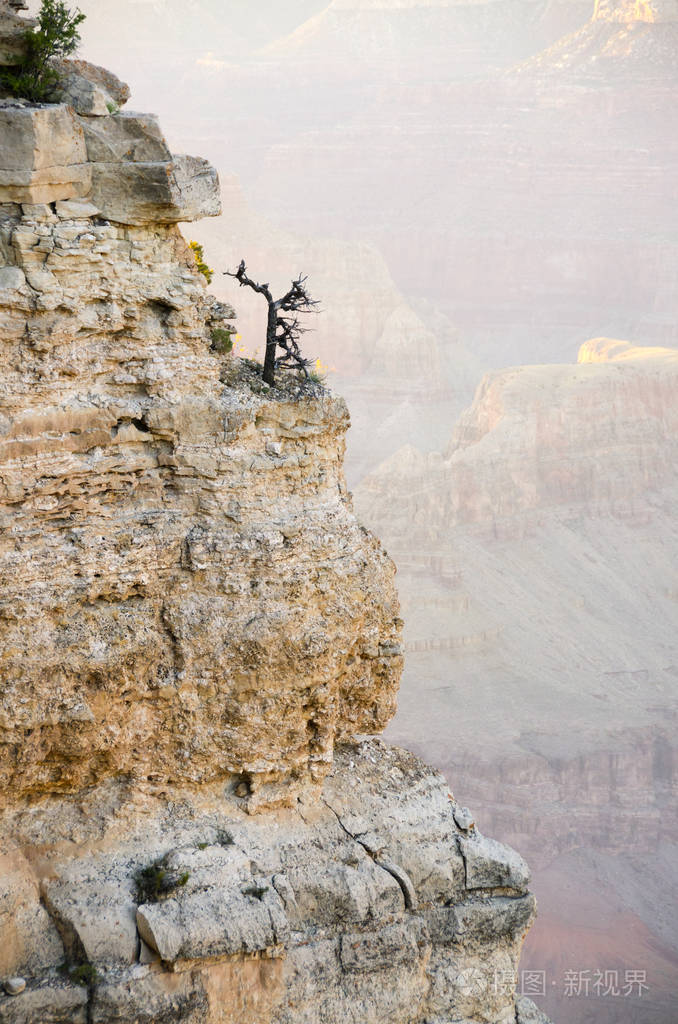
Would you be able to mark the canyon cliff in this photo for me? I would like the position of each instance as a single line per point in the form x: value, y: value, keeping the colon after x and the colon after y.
x: 537, y: 574
x: 196, y: 635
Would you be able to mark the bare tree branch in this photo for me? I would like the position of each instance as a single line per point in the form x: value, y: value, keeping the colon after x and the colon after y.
x: 241, y: 275
x: 281, y: 331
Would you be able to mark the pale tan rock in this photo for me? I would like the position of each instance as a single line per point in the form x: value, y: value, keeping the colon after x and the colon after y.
x: 118, y: 90
x: 216, y: 923
x: 39, y: 211
x: 95, y: 918
x: 492, y: 865
x: 42, y: 154
x: 128, y: 173
x: 69, y: 209
x: 126, y: 137
x: 39, y: 138
x: 52, y: 1004
x: 184, y: 189
x: 287, y: 917
x: 30, y: 940
x: 232, y: 678
x: 11, y: 278
x: 90, y: 90
x: 13, y: 29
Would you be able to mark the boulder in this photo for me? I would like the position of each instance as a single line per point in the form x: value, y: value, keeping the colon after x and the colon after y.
x: 30, y: 941
x: 184, y: 189
x: 125, y: 137
x: 13, y: 30
x: 43, y: 156
x: 213, y: 923
x: 490, y: 864
x: 89, y: 89
x: 39, y: 138
x: 52, y: 1004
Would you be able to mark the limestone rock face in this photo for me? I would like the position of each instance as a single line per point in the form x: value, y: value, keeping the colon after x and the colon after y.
x: 13, y: 29
x: 42, y: 154
x: 186, y: 593
x: 83, y: 148
x: 89, y: 89
x: 181, y: 189
x: 342, y: 910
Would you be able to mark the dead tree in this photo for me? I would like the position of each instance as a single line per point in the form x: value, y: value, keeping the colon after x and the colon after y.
x: 283, y: 327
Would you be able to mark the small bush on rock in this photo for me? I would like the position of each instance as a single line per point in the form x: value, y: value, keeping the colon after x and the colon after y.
x: 57, y: 36
x: 84, y: 975
x: 199, y: 254
x: 156, y: 881
x: 222, y: 340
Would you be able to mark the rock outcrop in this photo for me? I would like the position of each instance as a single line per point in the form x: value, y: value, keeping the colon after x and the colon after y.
x: 370, y: 905
x: 191, y: 620
x: 599, y: 436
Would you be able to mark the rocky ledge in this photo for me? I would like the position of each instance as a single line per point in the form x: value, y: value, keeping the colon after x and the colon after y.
x: 380, y: 902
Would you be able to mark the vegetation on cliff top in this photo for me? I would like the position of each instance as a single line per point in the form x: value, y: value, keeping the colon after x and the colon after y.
x: 56, y: 37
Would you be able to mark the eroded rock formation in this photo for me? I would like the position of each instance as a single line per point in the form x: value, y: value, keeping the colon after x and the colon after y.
x: 190, y: 619
x: 369, y: 905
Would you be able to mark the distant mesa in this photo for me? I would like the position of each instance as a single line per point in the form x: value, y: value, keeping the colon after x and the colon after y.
x: 636, y: 10
x: 537, y: 438
x: 607, y: 350
x: 634, y: 38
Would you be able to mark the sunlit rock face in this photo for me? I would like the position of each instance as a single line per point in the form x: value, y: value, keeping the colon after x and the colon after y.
x: 186, y: 593
x: 156, y: 616
x: 636, y: 10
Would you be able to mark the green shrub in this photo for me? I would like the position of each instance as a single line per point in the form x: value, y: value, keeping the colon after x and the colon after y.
x: 199, y: 255
x: 222, y: 340
x: 84, y: 975
x: 57, y: 36
x: 156, y: 881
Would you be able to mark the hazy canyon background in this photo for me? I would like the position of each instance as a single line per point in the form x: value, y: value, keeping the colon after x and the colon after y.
x: 476, y: 190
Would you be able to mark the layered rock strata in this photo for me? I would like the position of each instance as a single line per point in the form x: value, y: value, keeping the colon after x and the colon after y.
x: 598, y: 436
x: 186, y: 593
x: 370, y: 905
x: 190, y: 619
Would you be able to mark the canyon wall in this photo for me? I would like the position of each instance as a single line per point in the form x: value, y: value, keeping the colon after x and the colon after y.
x: 194, y: 630
x: 537, y: 574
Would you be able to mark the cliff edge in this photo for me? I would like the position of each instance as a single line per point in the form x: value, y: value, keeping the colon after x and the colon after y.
x: 194, y: 628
